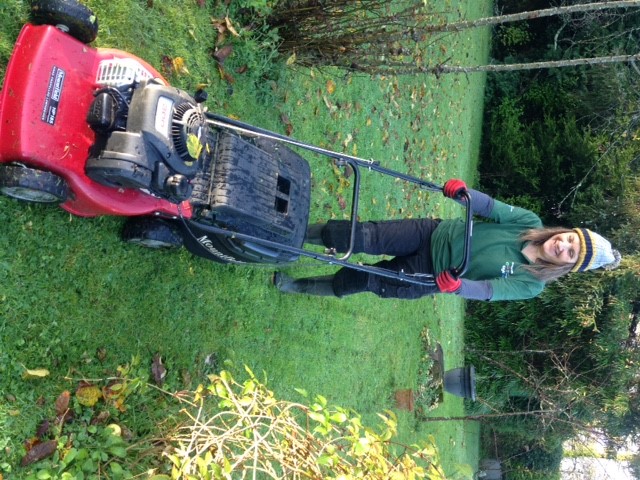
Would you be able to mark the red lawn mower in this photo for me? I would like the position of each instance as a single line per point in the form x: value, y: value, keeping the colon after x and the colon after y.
x: 101, y: 132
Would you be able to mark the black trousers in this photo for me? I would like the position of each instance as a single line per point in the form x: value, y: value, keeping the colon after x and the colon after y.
x: 408, y: 241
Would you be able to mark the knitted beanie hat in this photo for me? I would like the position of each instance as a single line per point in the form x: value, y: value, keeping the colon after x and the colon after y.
x: 595, y: 252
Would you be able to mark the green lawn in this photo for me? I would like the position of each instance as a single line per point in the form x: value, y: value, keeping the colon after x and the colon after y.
x: 79, y: 302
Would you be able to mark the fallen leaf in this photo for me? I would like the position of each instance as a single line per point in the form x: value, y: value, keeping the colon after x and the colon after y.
x: 62, y: 403
x: 233, y: 31
x: 219, y: 23
x: 331, y: 86
x: 242, y: 69
x: 88, y: 395
x: 43, y: 428
x: 348, y: 171
x: 39, y: 452
x: 126, y: 433
x: 30, y: 443
x: 119, y: 404
x: 112, y: 390
x: 221, y: 27
x: 179, y: 66
x: 158, y: 370
x: 201, y: 3
x: 194, y: 146
x: 101, y: 418
x: 332, y: 108
x: 225, y: 76
x: 101, y: 354
x: 167, y: 65
x: 292, y: 59
x: 35, y: 373
x: 287, y: 123
x: 222, y: 53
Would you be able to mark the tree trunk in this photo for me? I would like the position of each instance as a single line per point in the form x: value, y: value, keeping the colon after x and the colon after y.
x: 532, y: 65
x: 486, y: 416
x: 531, y: 15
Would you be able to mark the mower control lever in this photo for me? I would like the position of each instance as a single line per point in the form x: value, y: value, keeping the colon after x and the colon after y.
x: 457, y: 272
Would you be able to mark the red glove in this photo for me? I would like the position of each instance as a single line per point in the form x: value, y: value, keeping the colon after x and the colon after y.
x: 453, y: 188
x: 446, y: 283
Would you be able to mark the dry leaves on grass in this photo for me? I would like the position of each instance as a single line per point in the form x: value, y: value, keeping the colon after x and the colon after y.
x: 88, y: 394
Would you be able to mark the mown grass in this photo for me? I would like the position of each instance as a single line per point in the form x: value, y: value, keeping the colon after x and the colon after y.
x: 79, y: 302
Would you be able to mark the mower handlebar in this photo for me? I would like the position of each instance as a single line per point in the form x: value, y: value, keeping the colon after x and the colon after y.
x: 356, y: 163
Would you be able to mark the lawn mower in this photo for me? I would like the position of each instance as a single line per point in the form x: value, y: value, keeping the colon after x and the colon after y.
x: 101, y: 132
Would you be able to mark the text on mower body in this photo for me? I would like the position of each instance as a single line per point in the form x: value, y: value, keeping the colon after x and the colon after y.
x: 206, y: 243
x: 52, y: 98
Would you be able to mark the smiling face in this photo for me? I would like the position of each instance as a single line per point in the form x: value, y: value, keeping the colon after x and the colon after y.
x: 561, y: 249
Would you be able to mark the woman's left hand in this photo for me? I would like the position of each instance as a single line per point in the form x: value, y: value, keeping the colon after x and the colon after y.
x: 454, y: 188
x: 447, y: 283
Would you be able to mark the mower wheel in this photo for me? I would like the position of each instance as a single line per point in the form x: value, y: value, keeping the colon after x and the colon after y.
x: 31, y: 185
x: 151, y: 233
x: 70, y: 16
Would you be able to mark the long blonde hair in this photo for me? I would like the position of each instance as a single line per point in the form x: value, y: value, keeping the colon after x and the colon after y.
x: 543, y: 270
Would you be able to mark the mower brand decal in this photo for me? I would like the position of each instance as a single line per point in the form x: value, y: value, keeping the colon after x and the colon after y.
x: 206, y: 243
x: 164, y: 112
x: 52, y: 100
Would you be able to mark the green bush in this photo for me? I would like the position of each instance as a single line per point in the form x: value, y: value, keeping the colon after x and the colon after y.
x: 567, y: 352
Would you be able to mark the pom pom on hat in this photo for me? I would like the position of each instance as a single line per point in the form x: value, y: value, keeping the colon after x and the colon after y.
x: 595, y: 252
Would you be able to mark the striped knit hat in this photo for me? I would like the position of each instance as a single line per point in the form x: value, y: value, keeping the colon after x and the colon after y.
x: 595, y: 252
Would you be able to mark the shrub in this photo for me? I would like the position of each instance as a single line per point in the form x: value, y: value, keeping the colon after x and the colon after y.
x: 233, y: 427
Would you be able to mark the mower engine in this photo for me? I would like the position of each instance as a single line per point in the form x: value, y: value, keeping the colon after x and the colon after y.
x: 156, y: 138
x: 148, y: 136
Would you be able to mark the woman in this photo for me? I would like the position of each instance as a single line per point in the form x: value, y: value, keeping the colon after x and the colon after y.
x: 512, y: 258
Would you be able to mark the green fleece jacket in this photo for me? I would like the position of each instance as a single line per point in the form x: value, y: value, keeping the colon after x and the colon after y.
x: 496, y: 252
